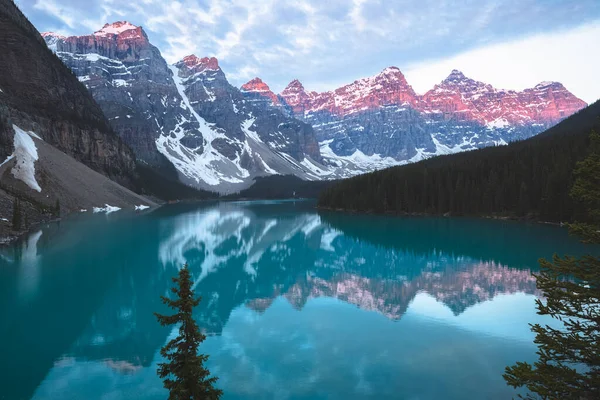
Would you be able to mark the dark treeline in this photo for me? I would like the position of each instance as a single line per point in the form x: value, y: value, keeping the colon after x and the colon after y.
x: 164, y: 184
x: 531, y: 178
x: 282, y: 187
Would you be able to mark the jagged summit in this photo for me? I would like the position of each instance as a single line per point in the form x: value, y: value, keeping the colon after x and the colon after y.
x: 199, y: 64
x: 456, y: 76
x: 390, y: 75
x: 259, y: 87
x: 547, y: 84
x: 116, y: 28
x: 52, y: 35
x: 387, y: 87
x: 255, y: 85
x: 295, y: 96
x: 391, y: 71
x: 294, y: 86
x: 52, y: 39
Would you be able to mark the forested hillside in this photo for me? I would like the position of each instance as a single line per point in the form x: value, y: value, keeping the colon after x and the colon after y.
x: 529, y: 178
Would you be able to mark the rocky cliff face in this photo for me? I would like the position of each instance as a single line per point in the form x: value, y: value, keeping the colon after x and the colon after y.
x: 462, y: 98
x: 57, y: 147
x: 380, y: 121
x: 38, y: 93
x: 258, y: 91
x: 188, y: 114
x: 219, y: 137
x: 131, y: 82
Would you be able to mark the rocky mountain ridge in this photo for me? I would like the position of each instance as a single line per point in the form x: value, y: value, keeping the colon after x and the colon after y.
x: 381, y: 121
x: 218, y: 137
x: 187, y: 114
x: 545, y: 102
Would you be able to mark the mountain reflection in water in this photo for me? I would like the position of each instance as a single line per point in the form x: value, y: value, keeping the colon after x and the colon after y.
x: 90, y: 286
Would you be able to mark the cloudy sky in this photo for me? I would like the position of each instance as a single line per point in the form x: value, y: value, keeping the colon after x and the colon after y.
x: 511, y: 44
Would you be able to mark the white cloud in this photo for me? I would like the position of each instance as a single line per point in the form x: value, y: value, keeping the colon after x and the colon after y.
x: 329, y: 43
x: 568, y: 57
x: 56, y: 11
x: 243, y: 74
x: 71, y: 17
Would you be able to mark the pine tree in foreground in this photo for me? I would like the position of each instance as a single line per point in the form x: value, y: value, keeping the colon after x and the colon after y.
x: 184, y: 373
x: 569, y: 358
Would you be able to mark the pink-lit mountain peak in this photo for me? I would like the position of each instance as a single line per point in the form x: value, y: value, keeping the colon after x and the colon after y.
x: 294, y: 86
x: 455, y: 77
x: 109, y: 29
x: 391, y: 73
x: 116, y: 28
x: 457, y: 96
x: 200, y: 64
x: 257, y: 85
x: 549, y: 85
x: 457, y: 81
x: 387, y: 87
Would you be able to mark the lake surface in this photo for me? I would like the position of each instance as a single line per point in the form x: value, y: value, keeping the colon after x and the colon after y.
x: 296, y: 304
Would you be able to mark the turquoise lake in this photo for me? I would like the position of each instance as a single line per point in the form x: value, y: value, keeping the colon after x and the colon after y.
x: 296, y: 304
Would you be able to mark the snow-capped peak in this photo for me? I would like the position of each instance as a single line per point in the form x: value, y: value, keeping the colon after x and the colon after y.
x: 389, y: 74
x: 255, y: 85
x: 52, y: 35
x: 200, y: 64
x: 455, y: 76
x: 294, y: 86
x: 115, y: 28
x: 390, y: 70
x: 546, y: 84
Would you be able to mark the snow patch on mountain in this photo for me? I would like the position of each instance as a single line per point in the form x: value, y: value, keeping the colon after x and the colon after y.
x: 315, y: 169
x: 498, y: 123
x: 356, y: 163
x: 246, y: 125
x: 205, y: 164
x: 250, y: 134
x: 26, y: 155
x: 115, y: 71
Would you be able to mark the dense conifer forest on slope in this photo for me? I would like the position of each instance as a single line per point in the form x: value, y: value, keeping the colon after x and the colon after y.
x: 530, y: 178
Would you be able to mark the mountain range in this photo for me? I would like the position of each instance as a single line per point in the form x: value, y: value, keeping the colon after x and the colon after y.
x: 382, y: 120
x: 186, y: 114
x: 220, y: 138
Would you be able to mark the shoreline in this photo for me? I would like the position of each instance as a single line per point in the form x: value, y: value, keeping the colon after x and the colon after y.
x: 446, y: 215
x: 10, y: 237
